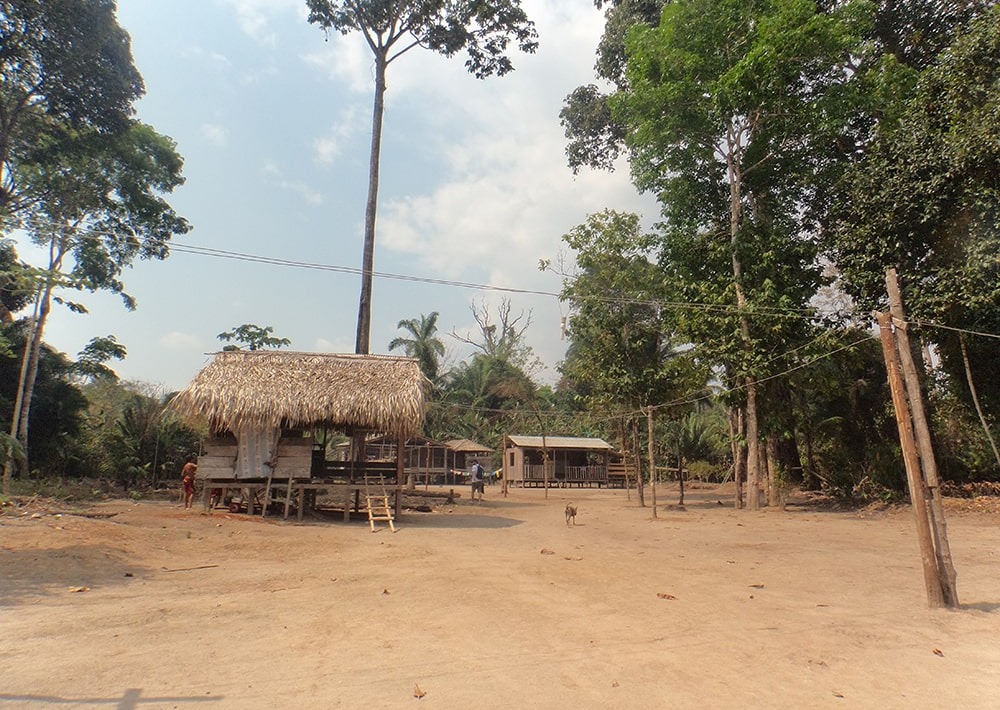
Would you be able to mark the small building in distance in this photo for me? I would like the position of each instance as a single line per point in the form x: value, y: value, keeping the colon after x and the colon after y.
x: 465, y: 451
x: 555, y: 460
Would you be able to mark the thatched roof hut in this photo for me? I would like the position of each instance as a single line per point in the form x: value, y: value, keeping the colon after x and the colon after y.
x: 269, y: 389
x: 467, y: 446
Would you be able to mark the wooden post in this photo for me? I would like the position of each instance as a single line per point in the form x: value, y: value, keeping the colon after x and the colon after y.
x: 637, y: 457
x: 680, y: 479
x: 400, y: 450
x: 932, y: 580
x: 928, y: 462
x: 649, y: 453
x: 628, y: 484
x: 427, y: 467
x: 503, y: 466
x: 739, y: 454
x: 545, y: 463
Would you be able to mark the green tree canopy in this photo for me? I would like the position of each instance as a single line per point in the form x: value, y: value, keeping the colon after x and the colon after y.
x: 622, y: 348
x: 925, y: 198
x: 254, y: 337
x: 65, y: 66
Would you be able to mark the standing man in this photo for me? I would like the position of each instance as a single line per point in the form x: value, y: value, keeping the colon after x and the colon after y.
x: 477, y: 480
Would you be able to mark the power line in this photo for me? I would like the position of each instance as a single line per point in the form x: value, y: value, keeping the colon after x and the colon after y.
x: 803, y: 313
x: 931, y: 324
x: 806, y: 313
x: 276, y: 261
x: 686, y: 400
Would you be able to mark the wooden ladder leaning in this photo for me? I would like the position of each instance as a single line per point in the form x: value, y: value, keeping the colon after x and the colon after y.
x: 377, y: 502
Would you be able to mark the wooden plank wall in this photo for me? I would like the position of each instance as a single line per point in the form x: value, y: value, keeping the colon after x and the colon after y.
x: 219, y: 459
x: 294, y: 459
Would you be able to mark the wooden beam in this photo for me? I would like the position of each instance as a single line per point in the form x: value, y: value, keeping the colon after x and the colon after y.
x: 932, y: 581
x: 928, y: 462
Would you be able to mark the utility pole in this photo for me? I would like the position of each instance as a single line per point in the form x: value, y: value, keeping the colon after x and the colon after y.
x: 928, y: 558
x: 928, y: 463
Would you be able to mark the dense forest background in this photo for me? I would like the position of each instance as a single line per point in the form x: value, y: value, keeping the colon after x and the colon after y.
x: 798, y: 150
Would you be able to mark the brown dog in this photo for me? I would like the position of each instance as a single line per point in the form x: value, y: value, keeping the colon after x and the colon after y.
x: 570, y: 513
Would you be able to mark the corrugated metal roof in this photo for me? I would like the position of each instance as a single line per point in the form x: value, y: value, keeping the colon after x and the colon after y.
x: 560, y: 442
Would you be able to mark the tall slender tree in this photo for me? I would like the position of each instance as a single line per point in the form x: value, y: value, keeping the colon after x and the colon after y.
x: 483, y: 29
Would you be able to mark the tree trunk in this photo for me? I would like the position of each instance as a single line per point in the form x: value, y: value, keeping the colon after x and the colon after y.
x: 624, y: 440
x: 753, y: 493
x: 29, y: 366
x: 739, y: 454
x: 652, y: 459
x: 680, y: 478
x: 733, y: 159
x: 27, y: 386
x: 776, y: 473
x: 362, y: 343
x: 975, y: 397
x: 810, y: 478
x: 640, y: 493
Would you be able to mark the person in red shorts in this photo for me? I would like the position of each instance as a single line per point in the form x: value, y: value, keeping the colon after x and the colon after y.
x: 187, y: 479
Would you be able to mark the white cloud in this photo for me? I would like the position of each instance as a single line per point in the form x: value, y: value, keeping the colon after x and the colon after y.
x: 345, y: 59
x: 475, y: 185
x: 274, y: 176
x: 259, y: 76
x: 329, y: 146
x: 176, y: 340
x: 215, y: 134
x: 207, y: 59
x: 258, y: 18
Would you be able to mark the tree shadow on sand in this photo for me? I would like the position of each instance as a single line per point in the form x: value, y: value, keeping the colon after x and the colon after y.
x: 443, y: 520
x: 128, y: 700
x: 29, y: 573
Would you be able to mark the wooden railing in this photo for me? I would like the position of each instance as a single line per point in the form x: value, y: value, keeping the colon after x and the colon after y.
x: 596, y: 473
x: 358, y: 469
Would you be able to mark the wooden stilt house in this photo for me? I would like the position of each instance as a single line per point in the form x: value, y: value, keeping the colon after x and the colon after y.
x: 555, y: 461
x: 266, y: 408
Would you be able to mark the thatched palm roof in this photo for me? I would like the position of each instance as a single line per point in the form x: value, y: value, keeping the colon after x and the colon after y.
x: 265, y: 389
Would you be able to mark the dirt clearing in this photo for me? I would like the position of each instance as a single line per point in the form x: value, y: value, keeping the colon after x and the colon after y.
x: 495, y: 605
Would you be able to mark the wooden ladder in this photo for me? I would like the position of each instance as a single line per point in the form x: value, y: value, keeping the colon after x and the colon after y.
x: 377, y: 502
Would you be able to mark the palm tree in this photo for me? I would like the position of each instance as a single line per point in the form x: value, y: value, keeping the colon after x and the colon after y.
x: 424, y: 345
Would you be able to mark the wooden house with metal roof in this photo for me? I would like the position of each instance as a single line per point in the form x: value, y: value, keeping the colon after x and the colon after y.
x: 555, y: 460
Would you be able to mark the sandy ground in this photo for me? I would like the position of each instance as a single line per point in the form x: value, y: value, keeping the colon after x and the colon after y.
x: 495, y: 605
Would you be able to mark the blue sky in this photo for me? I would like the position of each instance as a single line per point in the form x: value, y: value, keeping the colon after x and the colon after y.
x: 273, y: 121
